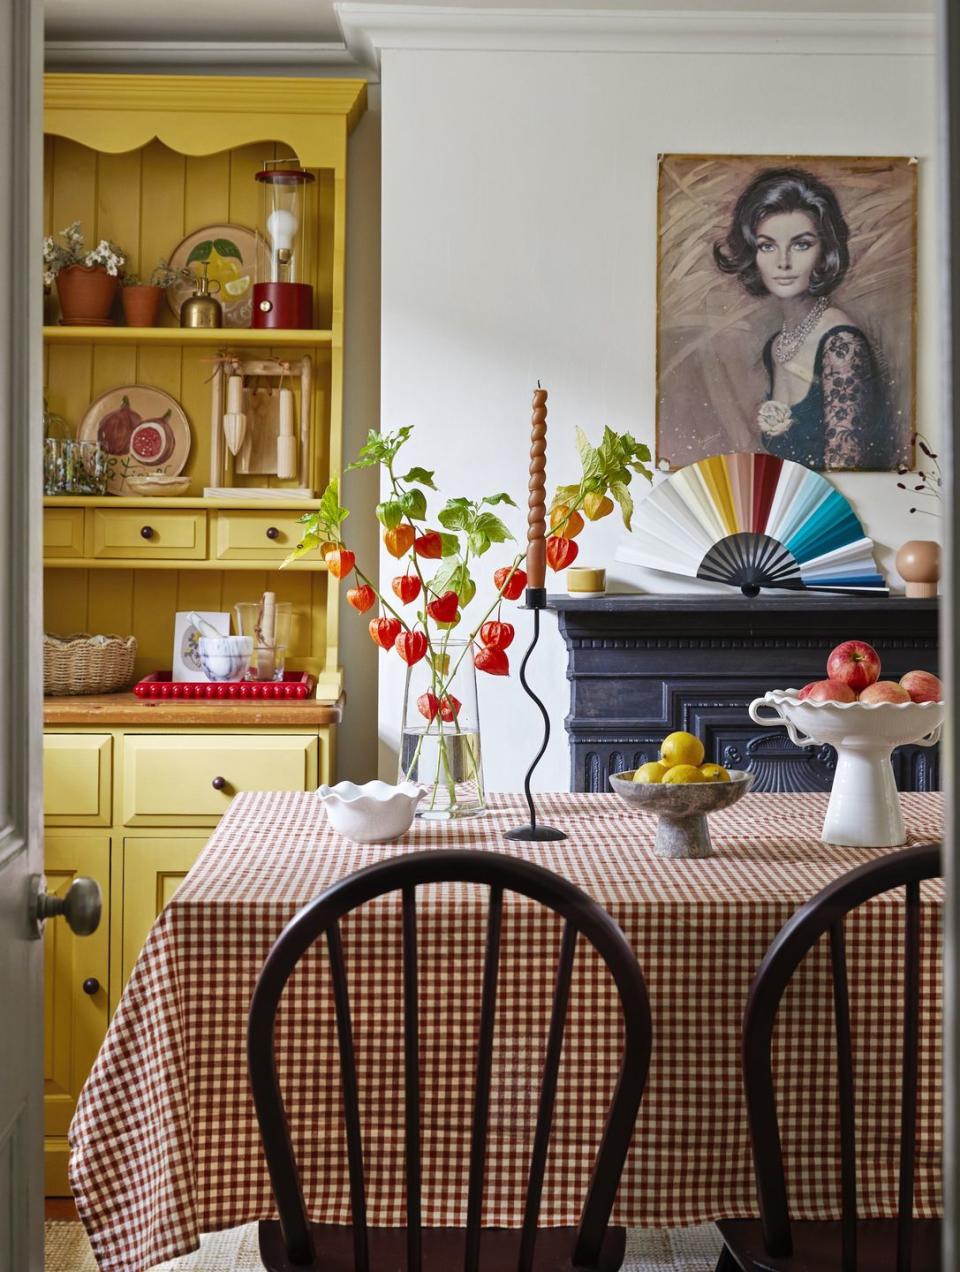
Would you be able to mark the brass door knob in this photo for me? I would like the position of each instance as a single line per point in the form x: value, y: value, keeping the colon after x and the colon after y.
x: 81, y: 907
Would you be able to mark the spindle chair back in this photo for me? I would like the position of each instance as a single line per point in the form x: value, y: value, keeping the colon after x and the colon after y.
x: 904, y: 1244
x: 294, y: 1242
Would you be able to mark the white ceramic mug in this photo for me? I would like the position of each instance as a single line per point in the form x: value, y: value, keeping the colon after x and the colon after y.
x: 224, y: 658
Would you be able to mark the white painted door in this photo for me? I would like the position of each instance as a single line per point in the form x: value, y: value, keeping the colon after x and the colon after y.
x: 21, y: 966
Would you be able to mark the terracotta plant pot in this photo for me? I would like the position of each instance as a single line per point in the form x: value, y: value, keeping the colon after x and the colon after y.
x: 141, y: 304
x: 86, y: 295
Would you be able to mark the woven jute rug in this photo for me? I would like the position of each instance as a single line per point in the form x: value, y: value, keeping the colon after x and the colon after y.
x: 678, y: 1250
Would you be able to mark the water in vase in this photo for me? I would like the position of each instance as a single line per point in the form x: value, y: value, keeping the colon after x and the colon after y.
x: 448, y: 763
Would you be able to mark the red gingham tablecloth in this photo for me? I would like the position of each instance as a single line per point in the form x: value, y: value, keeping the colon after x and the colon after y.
x: 165, y: 1142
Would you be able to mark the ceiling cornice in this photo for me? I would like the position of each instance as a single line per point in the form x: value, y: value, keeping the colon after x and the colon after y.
x: 371, y: 29
x: 173, y: 55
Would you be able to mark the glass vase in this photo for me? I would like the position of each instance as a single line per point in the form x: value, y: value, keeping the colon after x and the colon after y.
x: 440, y: 733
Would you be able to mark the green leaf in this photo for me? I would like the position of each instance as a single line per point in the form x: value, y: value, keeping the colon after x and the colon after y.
x: 380, y: 448
x: 424, y: 476
x: 449, y: 545
x: 225, y: 247
x: 455, y: 515
x: 309, y: 543
x: 330, y: 513
x: 563, y: 495
x: 622, y: 495
x: 501, y: 498
x: 390, y: 513
x: 442, y: 581
x: 200, y: 252
x: 492, y: 527
x: 414, y: 504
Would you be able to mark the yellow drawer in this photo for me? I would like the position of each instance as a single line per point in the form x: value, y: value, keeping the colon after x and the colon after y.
x: 147, y: 532
x: 77, y: 783
x: 62, y: 533
x: 184, y: 780
x: 256, y: 536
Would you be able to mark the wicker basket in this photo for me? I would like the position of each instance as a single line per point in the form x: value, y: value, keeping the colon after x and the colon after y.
x: 87, y: 664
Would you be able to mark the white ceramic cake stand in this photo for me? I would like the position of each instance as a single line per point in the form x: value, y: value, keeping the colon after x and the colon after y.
x: 864, y: 809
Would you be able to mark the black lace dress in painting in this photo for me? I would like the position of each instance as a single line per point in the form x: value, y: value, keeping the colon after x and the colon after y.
x: 841, y: 423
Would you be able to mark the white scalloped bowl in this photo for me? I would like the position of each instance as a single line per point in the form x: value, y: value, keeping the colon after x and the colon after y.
x: 864, y: 809
x: 849, y: 723
x: 373, y: 813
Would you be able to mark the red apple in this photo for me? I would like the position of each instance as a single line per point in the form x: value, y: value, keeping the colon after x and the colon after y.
x: 854, y: 662
x: 884, y: 691
x: 922, y: 686
x: 827, y: 691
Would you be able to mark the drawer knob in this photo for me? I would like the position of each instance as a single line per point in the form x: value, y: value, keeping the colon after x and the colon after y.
x: 273, y: 532
x: 218, y: 783
x: 146, y: 532
x: 91, y: 986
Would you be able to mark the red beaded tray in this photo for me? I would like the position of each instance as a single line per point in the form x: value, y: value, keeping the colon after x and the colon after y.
x: 159, y: 684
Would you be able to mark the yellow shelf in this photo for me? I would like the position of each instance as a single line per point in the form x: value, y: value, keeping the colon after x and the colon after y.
x: 179, y: 501
x: 305, y: 565
x: 186, y: 336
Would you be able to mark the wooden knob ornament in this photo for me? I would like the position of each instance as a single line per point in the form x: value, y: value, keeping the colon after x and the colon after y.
x: 918, y: 564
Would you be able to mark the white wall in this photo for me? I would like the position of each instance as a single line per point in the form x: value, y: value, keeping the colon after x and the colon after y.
x: 518, y: 239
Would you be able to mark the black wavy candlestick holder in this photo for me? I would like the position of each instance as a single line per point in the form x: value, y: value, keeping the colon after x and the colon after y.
x: 535, y: 599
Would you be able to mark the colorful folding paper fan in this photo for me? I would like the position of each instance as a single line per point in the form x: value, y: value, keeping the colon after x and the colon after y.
x: 753, y: 521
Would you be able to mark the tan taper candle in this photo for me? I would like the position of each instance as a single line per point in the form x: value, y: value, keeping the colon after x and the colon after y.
x: 537, y: 501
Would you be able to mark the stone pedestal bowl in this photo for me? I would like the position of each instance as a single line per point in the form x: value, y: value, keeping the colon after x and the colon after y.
x: 681, y: 809
x: 864, y: 809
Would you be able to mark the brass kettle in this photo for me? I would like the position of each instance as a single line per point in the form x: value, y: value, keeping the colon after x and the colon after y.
x: 202, y: 309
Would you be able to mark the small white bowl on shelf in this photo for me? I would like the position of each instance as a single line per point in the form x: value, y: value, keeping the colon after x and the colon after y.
x: 158, y: 485
x: 373, y: 813
x: 864, y: 809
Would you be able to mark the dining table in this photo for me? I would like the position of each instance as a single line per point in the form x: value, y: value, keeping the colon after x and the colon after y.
x: 165, y: 1143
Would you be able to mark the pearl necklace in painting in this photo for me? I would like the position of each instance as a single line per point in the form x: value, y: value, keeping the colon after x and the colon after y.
x: 787, y: 342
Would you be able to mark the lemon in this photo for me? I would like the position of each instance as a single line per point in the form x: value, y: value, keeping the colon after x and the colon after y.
x: 681, y: 748
x: 681, y: 774
x: 714, y: 773
x: 652, y: 772
x: 232, y: 275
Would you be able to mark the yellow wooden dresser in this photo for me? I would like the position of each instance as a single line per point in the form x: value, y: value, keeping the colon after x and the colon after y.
x: 133, y: 788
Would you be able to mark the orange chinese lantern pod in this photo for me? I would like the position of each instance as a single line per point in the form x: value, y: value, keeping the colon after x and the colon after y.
x: 493, y: 661
x: 497, y: 635
x: 444, y: 608
x: 564, y: 523
x: 384, y: 631
x: 449, y: 708
x: 411, y: 646
x: 428, y: 704
x: 561, y: 552
x: 361, y: 598
x: 596, y: 505
x: 399, y: 540
x: 514, y: 587
x: 340, y: 562
x: 406, y: 587
x: 429, y: 545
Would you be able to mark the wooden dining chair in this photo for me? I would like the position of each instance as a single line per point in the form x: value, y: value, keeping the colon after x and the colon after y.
x: 773, y: 1243
x: 294, y: 1242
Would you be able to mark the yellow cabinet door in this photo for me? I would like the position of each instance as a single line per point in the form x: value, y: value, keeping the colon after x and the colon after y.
x: 143, y: 534
x: 77, y: 786
x: 152, y: 871
x: 75, y: 993
x: 256, y: 536
x: 189, y: 779
x: 62, y: 533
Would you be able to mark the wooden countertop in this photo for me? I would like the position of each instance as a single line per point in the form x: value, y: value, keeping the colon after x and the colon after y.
x: 129, y: 711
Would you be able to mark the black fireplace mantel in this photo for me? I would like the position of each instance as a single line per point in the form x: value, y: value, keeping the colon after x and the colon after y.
x: 641, y: 666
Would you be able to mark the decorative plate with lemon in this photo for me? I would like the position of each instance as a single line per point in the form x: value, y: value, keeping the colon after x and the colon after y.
x: 229, y: 253
x: 681, y: 789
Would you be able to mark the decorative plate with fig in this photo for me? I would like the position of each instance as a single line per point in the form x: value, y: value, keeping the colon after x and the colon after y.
x: 143, y: 430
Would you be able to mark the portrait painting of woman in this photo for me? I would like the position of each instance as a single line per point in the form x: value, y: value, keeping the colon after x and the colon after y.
x: 786, y: 310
